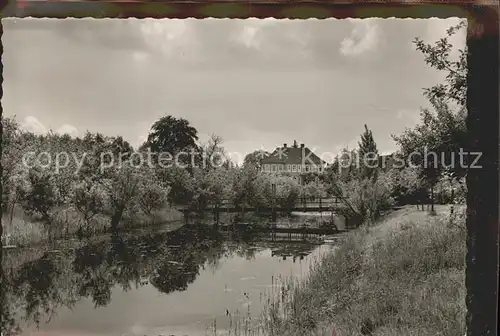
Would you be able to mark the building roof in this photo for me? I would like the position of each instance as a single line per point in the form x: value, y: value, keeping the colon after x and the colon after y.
x: 293, y: 155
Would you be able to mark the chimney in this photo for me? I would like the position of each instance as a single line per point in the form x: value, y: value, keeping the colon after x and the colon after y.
x: 284, y: 145
x: 302, y: 145
x: 294, y: 143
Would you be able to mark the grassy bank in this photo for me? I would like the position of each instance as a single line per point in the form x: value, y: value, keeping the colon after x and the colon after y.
x: 404, y: 276
x: 23, y: 230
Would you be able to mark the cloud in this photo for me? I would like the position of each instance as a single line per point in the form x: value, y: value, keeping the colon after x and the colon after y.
x: 364, y: 37
x: 67, y: 129
x: 31, y: 124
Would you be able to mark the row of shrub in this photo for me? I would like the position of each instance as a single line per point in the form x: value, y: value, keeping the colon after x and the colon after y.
x: 59, y: 182
x: 83, y: 196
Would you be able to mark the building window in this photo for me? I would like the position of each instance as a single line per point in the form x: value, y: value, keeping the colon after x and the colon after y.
x: 307, y: 168
x: 294, y: 168
x: 299, y: 168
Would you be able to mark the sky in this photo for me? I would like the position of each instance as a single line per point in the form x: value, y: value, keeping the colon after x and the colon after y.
x: 255, y: 83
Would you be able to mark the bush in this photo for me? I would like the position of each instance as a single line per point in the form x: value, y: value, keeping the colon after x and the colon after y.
x: 364, y: 199
x: 39, y: 196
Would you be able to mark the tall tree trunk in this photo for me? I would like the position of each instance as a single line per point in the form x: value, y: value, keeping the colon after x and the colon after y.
x: 482, y: 183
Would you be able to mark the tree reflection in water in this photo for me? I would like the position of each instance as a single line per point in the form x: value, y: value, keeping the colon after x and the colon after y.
x: 169, y: 261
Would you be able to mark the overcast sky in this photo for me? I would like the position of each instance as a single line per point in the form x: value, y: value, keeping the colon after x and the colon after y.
x: 255, y: 83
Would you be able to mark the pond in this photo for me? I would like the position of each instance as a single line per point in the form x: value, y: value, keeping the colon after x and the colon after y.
x: 183, y: 282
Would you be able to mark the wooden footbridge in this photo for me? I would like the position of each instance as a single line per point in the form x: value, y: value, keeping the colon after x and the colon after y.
x: 277, y: 205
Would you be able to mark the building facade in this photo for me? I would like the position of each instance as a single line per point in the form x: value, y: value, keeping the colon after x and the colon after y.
x: 295, y: 161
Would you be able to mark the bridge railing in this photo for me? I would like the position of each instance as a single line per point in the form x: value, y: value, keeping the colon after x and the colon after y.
x: 299, y: 203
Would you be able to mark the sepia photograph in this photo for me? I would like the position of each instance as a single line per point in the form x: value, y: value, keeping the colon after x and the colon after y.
x: 209, y: 177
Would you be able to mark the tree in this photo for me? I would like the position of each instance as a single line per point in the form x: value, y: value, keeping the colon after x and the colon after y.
x: 213, y: 155
x: 435, y: 144
x: 121, y: 184
x: 344, y: 166
x: 409, y: 186
x: 438, y: 57
x: 368, y: 154
x: 244, y: 185
x: 364, y: 199
x: 40, y: 196
x: 254, y: 158
x: 443, y: 133
x: 153, y: 194
x: 89, y: 199
x: 181, y: 184
x: 314, y: 189
x: 172, y: 135
x: 13, y: 148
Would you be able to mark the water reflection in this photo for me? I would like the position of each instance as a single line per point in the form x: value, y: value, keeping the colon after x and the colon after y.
x: 38, y: 287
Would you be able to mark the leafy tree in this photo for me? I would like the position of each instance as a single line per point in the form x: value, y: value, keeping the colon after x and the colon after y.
x: 40, y: 196
x: 438, y: 56
x: 442, y: 134
x: 254, y: 158
x: 89, y: 199
x: 244, y: 185
x: 287, y: 190
x: 172, y: 135
x: 152, y: 195
x: 344, y: 166
x: 435, y: 144
x: 13, y: 147
x: 409, y: 186
x: 364, y: 199
x: 121, y: 184
x: 368, y: 154
x: 180, y: 182
x: 314, y: 189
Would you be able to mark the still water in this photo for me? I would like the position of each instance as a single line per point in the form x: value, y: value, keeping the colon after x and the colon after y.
x: 170, y: 283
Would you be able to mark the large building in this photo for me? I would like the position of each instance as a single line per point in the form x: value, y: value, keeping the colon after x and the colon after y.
x: 295, y: 160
